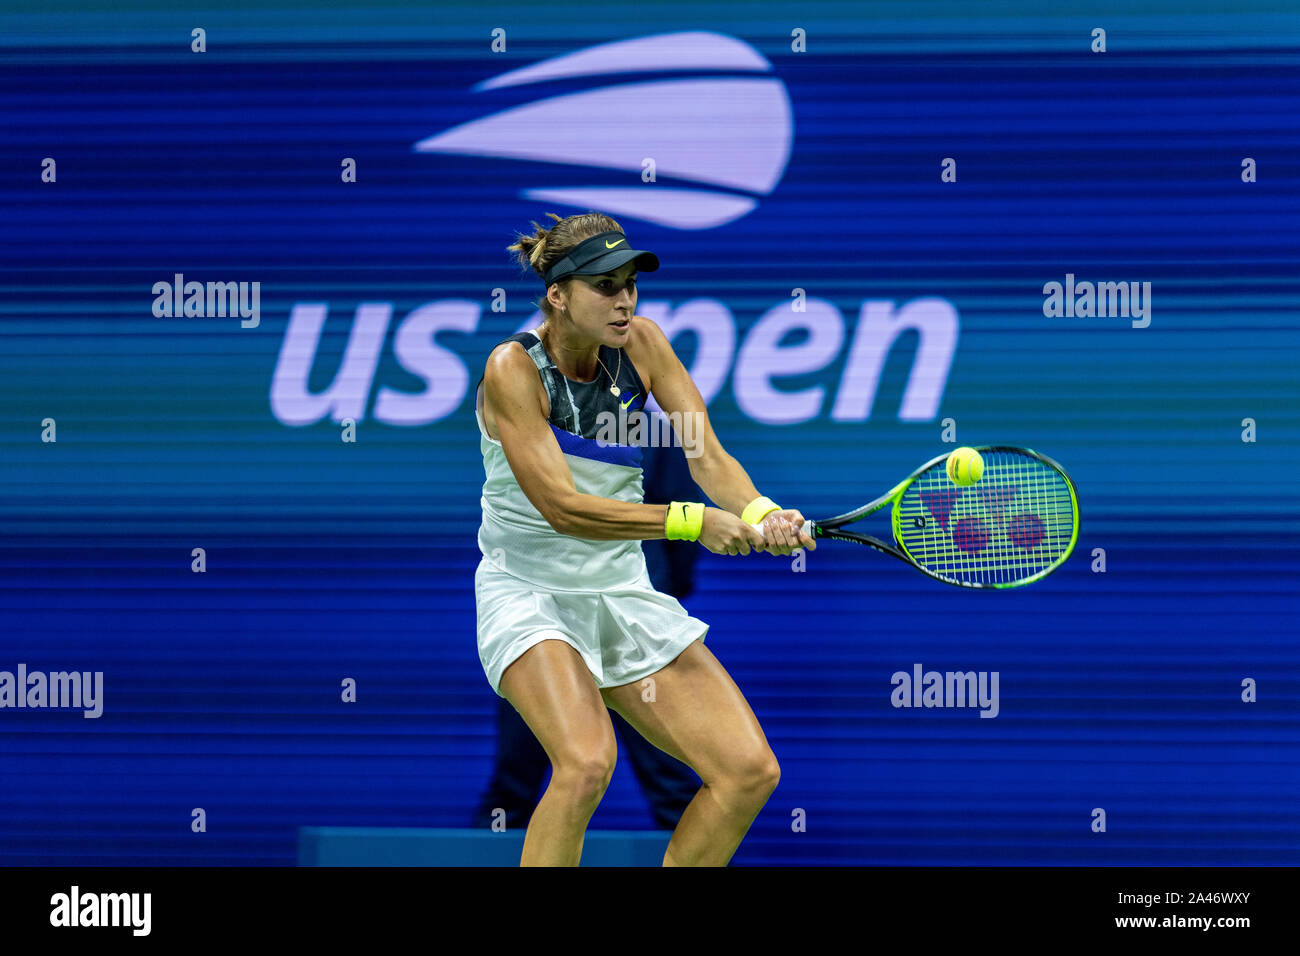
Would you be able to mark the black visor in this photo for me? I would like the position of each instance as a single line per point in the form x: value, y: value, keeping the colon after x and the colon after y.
x: 603, y: 253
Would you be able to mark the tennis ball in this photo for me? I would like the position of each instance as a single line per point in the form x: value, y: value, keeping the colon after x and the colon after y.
x: 965, y: 466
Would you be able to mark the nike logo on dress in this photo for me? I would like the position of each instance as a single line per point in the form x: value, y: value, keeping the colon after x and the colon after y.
x: 624, y: 405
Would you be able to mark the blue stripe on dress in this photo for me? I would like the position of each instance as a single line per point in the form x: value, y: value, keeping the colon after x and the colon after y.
x: 579, y: 447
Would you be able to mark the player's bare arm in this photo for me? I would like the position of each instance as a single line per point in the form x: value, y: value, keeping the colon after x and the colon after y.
x: 515, y: 407
x: 719, y: 475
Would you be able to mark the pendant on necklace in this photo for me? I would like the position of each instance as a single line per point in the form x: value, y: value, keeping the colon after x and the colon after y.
x: 613, y: 390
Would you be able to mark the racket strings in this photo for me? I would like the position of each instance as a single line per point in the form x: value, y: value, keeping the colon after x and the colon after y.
x: 1016, y: 522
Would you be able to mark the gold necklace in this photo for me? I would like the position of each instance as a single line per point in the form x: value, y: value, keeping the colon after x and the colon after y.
x: 613, y: 379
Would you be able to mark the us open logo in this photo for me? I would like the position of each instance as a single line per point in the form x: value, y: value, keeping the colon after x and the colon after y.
x: 719, y: 129
x: 725, y: 139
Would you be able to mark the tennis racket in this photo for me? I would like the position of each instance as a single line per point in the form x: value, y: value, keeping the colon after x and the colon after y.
x: 1014, y: 526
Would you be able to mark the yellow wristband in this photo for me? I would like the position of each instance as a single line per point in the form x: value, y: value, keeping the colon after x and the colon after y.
x: 758, y: 509
x: 685, y: 519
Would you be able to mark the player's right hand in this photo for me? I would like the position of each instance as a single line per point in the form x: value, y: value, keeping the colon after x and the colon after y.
x: 784, y: 532
x: 724, y: 533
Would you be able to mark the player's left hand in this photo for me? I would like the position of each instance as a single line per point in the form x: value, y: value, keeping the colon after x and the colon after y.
x: 784, y: 532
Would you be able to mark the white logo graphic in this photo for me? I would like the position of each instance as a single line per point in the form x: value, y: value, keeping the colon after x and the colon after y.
x: 724, y: 142
x: 733, y: 133
x: 755, y: 365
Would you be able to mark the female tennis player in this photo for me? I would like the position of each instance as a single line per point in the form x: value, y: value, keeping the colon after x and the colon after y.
x: 568, y: 622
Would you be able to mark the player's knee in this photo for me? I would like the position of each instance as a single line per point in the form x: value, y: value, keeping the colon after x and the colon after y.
x: 757, y: 774
x: 585, y: 775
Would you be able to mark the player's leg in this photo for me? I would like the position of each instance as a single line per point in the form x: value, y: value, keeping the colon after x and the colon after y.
x: 556, y: 695
x: 699, y: 716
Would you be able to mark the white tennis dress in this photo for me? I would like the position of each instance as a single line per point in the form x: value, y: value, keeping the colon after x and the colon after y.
x: 535, y: 584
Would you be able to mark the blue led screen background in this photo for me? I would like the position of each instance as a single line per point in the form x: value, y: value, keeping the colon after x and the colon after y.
x: 781, y: 175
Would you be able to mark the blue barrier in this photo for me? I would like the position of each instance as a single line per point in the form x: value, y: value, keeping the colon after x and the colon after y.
x: 395, y: 846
